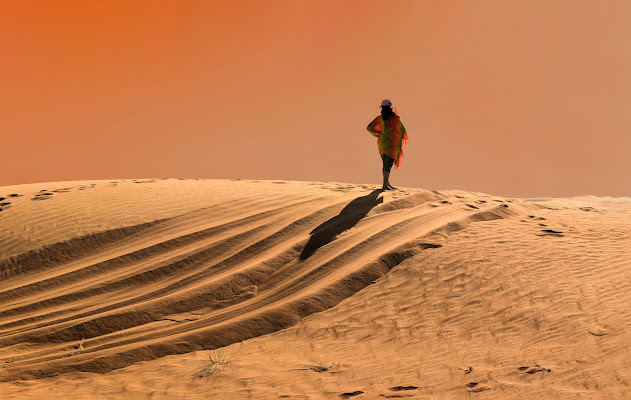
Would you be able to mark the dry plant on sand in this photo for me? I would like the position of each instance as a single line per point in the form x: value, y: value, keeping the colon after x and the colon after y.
x: 77, y: 348
x: 215, y: 362
x: 331, y: 367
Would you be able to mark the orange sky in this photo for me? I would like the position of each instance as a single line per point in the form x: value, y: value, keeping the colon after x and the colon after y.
x: 518, y: 98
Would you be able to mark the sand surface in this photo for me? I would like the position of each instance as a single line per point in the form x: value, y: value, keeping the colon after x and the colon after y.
x: 310, y: 290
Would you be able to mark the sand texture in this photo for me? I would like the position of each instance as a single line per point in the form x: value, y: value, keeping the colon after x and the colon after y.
x: 310, y: 290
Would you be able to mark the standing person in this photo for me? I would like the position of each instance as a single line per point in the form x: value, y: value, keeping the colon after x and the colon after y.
x: 391, y: 139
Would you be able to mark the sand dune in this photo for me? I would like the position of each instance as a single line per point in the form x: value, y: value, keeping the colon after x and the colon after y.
x: 413, y: 293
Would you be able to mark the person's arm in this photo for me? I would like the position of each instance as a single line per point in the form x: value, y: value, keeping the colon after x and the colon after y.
x: 375, y: 127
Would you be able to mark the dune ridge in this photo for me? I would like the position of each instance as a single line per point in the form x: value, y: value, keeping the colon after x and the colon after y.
x: 337, y: 264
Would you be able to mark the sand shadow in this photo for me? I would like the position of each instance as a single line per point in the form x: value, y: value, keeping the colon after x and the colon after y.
x: 346, y: 219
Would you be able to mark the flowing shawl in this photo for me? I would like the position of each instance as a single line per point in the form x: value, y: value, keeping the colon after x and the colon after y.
x: 391, y: 136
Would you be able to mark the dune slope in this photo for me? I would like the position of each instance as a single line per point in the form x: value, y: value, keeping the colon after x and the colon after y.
x: 209, y: 277
x: 459, y: 292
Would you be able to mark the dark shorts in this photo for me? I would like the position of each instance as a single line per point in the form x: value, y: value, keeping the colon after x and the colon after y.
x: 388, y: 162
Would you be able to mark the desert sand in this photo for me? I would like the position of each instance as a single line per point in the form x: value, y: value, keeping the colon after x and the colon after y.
x: 310, y: 290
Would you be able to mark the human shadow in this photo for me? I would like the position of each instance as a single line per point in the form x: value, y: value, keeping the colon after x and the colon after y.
x: 346, y: 219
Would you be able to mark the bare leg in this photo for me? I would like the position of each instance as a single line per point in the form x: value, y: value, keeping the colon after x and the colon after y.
x: 386, y: 182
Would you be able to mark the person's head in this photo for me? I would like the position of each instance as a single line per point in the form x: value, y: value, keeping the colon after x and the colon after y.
x: 386, y: 108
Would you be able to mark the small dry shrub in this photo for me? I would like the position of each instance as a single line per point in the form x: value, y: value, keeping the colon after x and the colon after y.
x: 215, y: 362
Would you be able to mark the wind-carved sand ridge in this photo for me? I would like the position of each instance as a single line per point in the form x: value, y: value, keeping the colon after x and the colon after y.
x: 103, y: 275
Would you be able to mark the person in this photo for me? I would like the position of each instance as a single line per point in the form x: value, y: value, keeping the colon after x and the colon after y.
x: 391, y: 139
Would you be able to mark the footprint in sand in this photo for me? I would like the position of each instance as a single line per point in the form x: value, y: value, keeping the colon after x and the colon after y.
x: 476, y: 387
x: 598, y: 331
x: 533, y: 370
x: 350, y: 394
x: 399, y: 389
x: 43, y: 195
x: 551, y: 232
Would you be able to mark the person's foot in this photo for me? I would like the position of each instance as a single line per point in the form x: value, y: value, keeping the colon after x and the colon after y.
x: 391, y: 187
x: 384, y: 188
